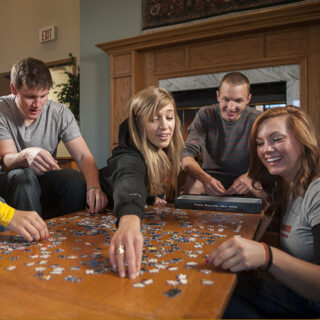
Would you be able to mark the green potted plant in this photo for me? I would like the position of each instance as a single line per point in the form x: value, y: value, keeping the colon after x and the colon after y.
x: 69, y: 92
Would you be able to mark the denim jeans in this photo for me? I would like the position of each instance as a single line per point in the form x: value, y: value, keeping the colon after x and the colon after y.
x: 265, y: 297
x: 53, y: 193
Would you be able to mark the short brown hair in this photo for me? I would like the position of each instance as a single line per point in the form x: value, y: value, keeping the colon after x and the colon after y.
x: 31, y: 73
x: 236, y: 79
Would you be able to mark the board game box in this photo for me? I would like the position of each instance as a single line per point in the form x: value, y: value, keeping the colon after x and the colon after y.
x: 228, y: 203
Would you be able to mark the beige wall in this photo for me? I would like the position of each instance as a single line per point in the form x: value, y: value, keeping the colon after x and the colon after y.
x: 101, y: 21
x: 19, y: 33
x: 19, y: 30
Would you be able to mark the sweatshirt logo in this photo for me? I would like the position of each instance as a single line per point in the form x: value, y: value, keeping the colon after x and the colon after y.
x: 137, y: 195
x: 285, y: 230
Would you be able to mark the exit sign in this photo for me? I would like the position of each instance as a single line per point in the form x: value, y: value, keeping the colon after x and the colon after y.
x: 47, y: 34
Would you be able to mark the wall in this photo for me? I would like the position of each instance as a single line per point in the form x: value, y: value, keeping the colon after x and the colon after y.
x: 19, y: 30
x: 101, y: 21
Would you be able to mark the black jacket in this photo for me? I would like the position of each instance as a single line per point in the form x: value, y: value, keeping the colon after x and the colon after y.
x: 124, y: 178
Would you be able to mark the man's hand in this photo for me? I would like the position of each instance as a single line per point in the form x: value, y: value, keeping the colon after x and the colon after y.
x: 214, y: 187
x: 39, y: 160
x: 200, y: 182
x: 242, y: 185
x: 29, y: 225
x: 127, y: 244
x: 96, y: 199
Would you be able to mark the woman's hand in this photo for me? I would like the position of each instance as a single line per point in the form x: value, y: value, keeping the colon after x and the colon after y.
x: 127, y: 244
x: 29, y: 225
x: 159, y: 202
x: 238, y: 254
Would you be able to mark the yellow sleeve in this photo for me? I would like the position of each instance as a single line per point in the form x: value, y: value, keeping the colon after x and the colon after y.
x: 6, y: 214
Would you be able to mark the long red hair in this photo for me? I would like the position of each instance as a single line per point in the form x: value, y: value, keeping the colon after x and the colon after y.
x: 301, y: 127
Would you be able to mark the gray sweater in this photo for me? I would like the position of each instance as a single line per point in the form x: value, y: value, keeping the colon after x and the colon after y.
x: 225, y: 144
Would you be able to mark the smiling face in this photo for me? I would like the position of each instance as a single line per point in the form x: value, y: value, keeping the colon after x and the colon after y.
x: 278, y: 149
x: 30, y: 102
x: 160, y: 128
x: 232, y: 100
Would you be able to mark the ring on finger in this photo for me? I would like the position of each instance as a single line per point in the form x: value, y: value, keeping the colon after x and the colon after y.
x: 120, y: 249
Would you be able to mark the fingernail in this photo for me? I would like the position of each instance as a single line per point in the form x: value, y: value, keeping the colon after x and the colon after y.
x: 207, y: 261
x: 132, y: 276
x: 122, y: 275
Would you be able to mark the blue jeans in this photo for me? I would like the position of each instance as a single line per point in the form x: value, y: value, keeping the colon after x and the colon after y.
x: 50, y: 194
x: 265, y: 297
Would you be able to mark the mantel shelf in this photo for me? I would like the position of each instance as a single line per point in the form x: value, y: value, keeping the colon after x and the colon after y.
x: 274, y: 36
x: 276, y: 17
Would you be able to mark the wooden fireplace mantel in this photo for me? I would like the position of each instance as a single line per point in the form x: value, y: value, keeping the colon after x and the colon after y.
x: 232, y: 25
x: 274, y: 36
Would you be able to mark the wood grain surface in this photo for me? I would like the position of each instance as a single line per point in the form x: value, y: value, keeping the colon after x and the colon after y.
x: 87, y: 288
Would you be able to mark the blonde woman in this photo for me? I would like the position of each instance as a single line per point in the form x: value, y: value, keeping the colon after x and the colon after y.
x: 285, y: 161
x: 144, y: 164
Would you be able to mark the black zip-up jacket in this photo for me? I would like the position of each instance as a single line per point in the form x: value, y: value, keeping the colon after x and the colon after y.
x: 124, y: 178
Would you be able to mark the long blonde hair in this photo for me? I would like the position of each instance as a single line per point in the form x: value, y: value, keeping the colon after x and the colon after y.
x: 162, y: 164
x: 301, y: 127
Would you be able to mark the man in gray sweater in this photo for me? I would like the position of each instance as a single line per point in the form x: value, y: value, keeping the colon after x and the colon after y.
x: 221, y: 132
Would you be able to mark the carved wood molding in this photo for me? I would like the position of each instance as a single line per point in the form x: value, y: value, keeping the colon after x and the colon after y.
x: 268, y: 19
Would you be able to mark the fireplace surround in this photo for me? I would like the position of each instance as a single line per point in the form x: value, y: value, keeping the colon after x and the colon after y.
x: 277, y: 36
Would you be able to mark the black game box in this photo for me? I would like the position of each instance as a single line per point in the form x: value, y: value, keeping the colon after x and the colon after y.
x: 228, y: 203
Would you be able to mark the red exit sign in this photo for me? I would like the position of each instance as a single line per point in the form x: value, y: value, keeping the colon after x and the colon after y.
x: 47, y: 34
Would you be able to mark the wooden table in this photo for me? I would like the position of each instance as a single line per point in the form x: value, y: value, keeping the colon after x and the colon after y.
x: 87, y: 288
